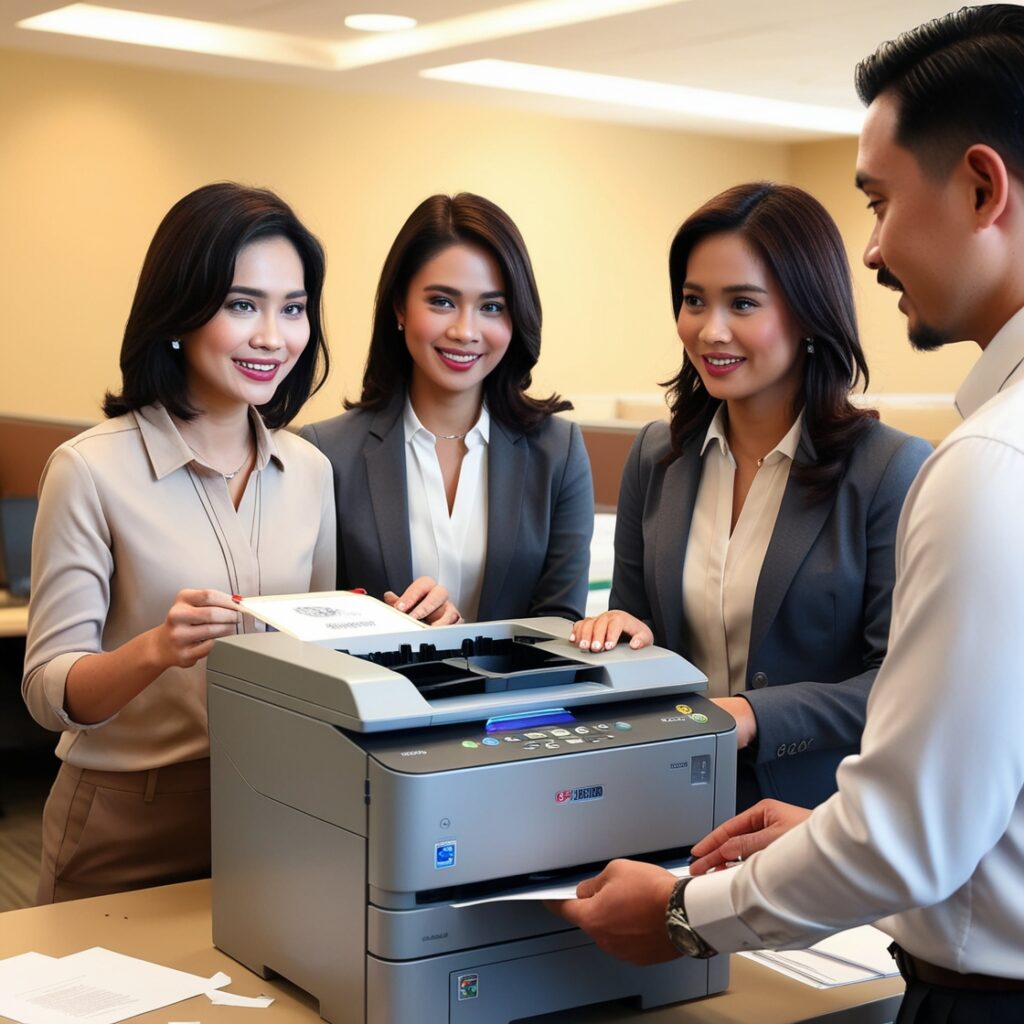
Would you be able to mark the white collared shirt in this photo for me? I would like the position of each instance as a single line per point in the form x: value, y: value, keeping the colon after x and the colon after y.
x: 452, y: 547
x: 723, y: 564
x: 928, y: 823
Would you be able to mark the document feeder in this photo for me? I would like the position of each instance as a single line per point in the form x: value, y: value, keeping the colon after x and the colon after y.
x: 359, y: 792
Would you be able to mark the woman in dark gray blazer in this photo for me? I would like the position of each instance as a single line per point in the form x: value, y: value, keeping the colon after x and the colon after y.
x: 756, y: 529
x: 448, y: 476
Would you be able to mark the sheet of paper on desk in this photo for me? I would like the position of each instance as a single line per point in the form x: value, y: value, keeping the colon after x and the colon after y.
x: 95, y: 985
x: 859, y: 954
x: 549, y: 892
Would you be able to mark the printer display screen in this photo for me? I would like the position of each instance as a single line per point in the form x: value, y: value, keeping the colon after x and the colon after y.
x: 529, y: 720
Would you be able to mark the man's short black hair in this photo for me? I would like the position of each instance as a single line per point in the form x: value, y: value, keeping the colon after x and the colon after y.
x: 957, y: 81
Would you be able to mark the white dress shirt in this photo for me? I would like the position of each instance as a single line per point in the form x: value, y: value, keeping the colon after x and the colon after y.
x: 928, y: 823
x: 722, y: 565
x: 449, y: 547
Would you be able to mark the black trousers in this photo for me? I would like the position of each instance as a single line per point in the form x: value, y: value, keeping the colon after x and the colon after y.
x: 930, y: 1004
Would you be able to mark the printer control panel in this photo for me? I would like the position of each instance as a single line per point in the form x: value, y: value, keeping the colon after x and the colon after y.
x: 547, y: 732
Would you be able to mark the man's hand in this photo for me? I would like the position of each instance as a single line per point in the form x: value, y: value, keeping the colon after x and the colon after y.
x: 623, y: 911
x: 739, y: 837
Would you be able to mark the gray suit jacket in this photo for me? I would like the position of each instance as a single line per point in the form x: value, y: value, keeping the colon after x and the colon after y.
x: 820, y: 621
x: 540, y: 511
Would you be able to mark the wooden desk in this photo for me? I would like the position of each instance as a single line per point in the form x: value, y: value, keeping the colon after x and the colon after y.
x: 14, y: 620
x: 171, y: 926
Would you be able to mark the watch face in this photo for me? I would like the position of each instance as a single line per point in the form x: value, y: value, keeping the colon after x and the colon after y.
x: 684, y: 939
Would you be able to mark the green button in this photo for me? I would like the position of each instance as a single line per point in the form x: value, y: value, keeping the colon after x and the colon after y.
x: 470, y: 744
x: 699, y: 718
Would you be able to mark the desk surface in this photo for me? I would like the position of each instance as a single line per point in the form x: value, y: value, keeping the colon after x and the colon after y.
x: 14, y: 620
x: 171, y: 926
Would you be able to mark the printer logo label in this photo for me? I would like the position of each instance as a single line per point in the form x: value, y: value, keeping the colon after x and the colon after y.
x: 469, y: 986
x: 444, y: 854
x: 574, y: 796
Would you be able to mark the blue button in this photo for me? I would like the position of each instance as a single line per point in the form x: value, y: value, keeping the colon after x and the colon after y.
x: 623, y: 726
x: 490, y: 741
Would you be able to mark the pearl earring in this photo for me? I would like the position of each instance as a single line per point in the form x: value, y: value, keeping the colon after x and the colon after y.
x: 176, y: 344
x: 810, y: 346
x: 401, y: 327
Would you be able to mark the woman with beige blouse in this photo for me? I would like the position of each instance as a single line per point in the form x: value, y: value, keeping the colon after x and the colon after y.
x: 150, y: 522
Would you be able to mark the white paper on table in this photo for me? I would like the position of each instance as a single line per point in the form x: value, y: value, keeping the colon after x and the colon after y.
x: 550, y: 892
x: 96, y: 986
x: 230, y: 999
x: 15, y: 963
x: 865, y: 946
x: 859, y: 954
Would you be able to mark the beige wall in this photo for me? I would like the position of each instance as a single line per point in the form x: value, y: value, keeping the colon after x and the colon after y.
x: 92, y: 155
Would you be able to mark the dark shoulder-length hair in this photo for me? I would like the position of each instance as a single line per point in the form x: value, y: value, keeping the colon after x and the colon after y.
x: 437, y: 223
x: 802, y: 249
x: 187, y: 272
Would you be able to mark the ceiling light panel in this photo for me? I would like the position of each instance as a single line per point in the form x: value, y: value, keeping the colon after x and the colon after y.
x: 646, y: 95
x: 140, y: 29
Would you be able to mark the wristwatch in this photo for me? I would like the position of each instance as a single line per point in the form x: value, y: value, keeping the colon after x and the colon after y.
x: 680, y: 932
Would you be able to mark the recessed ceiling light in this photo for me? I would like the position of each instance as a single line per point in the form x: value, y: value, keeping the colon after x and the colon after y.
x: 379, y: 22
x: 647, y: 95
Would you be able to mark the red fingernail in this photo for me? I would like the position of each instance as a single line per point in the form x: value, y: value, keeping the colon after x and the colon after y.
x: 236, y: 598
x: 357, y: 590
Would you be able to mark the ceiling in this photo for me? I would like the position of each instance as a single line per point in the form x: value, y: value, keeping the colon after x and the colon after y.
x: 800, y: 51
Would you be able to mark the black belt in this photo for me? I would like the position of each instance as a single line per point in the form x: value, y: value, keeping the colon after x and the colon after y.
x: 914, y: 969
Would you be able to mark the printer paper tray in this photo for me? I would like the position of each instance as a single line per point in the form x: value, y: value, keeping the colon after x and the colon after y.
x: 435, y: 927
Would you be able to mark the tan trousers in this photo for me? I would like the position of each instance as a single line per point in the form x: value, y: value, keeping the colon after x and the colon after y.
x: 107, y: 832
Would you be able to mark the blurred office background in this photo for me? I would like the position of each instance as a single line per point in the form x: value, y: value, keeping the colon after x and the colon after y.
x: 597, y: 124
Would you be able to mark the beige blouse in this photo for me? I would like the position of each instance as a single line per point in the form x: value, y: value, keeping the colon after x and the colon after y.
x: 128, y: 516
x: 720, y: 572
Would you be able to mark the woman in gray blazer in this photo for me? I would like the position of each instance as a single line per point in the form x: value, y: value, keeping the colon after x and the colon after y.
x: 755, y: 530
x: 446, y: 469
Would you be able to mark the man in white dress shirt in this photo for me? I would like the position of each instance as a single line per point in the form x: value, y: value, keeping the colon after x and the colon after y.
x: 927, y: 829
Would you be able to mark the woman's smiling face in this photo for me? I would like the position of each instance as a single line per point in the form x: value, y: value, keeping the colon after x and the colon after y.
x: 456, y: 320
x: 736, y: 326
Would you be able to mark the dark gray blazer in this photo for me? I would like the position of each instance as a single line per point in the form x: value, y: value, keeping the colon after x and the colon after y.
x: 820, y: 621
x: 540, y: 511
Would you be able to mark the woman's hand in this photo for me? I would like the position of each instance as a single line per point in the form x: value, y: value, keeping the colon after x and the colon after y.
x: 99, y: 685
x: 746, y: 721
x: 427, y: 600
x: 602, y: 632
x: 195, y: 620
x: 752, y: 830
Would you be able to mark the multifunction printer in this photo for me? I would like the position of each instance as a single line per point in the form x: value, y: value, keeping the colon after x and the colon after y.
x: 363, y: 796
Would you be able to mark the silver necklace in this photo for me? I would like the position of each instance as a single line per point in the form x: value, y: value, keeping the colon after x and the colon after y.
x: 233, y: 473
x: 451, y: 437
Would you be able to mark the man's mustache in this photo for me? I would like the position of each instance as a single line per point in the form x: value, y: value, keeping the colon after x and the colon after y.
x: 887, y: 278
